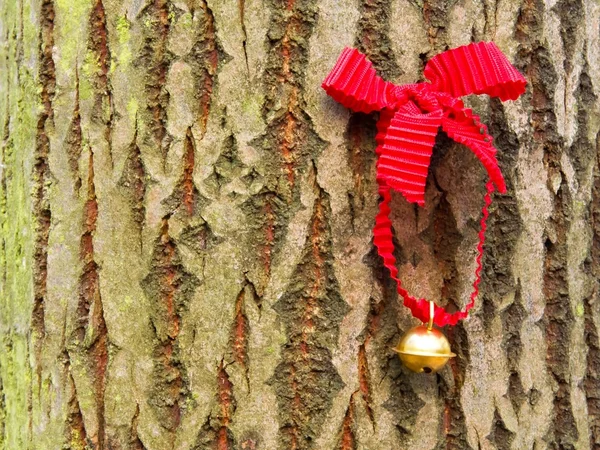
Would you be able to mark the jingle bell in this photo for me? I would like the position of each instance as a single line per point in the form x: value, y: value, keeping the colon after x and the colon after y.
x: 424, y: 349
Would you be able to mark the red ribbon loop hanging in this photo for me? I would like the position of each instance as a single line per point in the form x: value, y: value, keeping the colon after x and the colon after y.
x: 410, y: 116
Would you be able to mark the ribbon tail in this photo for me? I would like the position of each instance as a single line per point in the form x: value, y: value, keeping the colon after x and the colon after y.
x: 470, y: 132
x: 354, y: 83
x: 479, y: 68
x: 405, y: 152
x: 383, y: 240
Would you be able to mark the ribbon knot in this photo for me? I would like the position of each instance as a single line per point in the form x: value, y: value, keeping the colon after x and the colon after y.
x: 421, y: 94
x: 410, y: 116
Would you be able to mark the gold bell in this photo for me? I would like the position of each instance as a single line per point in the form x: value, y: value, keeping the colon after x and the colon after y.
x: 424, y: 348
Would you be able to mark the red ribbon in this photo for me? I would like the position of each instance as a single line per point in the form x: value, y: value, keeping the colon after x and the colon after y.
x: 410, y: 117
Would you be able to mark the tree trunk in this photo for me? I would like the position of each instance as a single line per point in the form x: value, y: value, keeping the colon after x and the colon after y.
x: 186, y: 230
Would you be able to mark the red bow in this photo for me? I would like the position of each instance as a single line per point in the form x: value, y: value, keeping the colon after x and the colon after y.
x: 410, y: 117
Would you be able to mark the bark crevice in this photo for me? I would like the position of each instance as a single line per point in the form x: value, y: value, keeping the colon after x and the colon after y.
x: 42, y: 178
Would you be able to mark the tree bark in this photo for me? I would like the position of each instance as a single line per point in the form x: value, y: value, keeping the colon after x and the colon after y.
x: 186, y: 230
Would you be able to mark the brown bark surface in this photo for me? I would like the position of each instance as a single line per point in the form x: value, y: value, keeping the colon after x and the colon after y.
x: 186, y: 257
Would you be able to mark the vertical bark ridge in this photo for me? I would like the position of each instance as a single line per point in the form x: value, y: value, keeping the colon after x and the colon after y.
x: 571, y: 14
x: 29, y: 373
x: 512, y: 321
x: 373, y: 38
x: 270, y: 224
x: 454, y: 435
x: 264, y: 212
x: 156, y: 60
x: 558, y: 318
x: 188, y: 189
x: 186, y: 199
x: 584, y: 154
x: 103, y: 110
x: 134, y: 185
x: 2, y: 411
x: 290, y: 141
x: 5, y: 149
x: 41, y: 180
x: 19, y: 47
x: 240, y: 331
x: 90, y: 337
x: 206, y: 56
x: 504, y: 225
x: 98, y: 45
x: 3, y: 255
x: 286, y: 49
x: 169, y: 288
x: 591, y: 381
x: 306, y: 381
x: 73, y: 141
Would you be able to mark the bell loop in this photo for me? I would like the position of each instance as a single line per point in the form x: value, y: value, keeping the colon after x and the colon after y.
x: 431, y: 315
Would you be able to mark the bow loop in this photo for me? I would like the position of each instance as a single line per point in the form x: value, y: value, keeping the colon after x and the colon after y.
x: 354, y: 83
x: 479, y: 68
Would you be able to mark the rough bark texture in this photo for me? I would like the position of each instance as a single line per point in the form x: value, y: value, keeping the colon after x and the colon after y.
x: 186, y: 256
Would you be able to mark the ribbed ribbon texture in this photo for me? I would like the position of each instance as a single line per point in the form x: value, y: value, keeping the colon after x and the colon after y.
x: 410, y: 116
